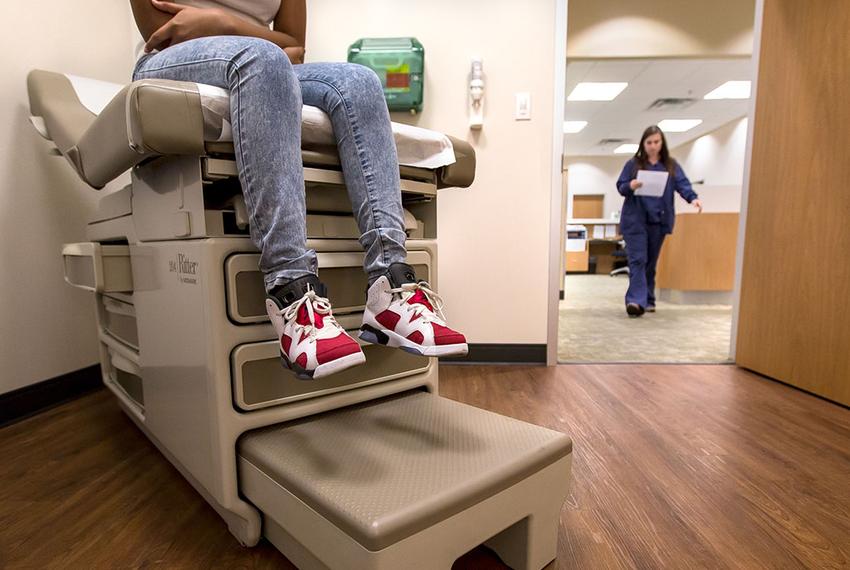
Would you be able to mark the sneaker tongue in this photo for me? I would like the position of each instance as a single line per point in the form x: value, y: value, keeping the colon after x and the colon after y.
x: 303, y: 317
x: 419, y: 297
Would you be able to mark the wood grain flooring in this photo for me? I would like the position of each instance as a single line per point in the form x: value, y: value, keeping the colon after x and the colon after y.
x: 674, y: 467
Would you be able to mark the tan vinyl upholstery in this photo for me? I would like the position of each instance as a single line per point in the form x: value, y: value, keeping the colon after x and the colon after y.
x: 155, y: 117
x: 52, y: 97
x: 462, y: 172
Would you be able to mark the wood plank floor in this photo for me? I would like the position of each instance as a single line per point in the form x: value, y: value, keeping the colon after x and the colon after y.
x: 674, y: 467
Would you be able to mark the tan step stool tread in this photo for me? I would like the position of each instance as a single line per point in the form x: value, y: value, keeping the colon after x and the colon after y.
x: 386, y: 469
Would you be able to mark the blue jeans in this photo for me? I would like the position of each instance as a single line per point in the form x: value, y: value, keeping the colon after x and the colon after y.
x: 266, y: 93
x: 643, y: 245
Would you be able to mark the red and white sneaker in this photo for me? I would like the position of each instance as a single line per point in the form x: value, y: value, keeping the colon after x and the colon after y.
x: 312, y: 344
x: 404, y: 313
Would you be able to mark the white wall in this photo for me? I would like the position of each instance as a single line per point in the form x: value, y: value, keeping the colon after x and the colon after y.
x: 595, y: 175
x: 659, y: 28
x: 47, y: 327
x: 716, y: 158
x: 493, y: 236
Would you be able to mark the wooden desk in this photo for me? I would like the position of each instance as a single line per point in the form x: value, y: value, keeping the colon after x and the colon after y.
x: 576, y: 261
x: 603, y: 250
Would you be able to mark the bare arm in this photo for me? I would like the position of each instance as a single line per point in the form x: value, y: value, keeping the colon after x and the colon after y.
x: 178, y: 23
x: 148, y: 18
x: 291, y: 22
x: 288, y: 29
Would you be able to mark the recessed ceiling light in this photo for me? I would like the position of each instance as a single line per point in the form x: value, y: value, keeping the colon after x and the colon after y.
x: 731, y: 90
x: 572, y: 127
x: 678, y: 125
x: 629, y: 148
x: 591, y: 91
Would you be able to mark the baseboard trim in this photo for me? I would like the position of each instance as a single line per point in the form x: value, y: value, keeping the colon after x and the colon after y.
x: 501, y: 354
x: 31, y: 400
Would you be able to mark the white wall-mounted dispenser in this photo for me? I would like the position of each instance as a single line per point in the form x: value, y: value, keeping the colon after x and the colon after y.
x: 476, y: 95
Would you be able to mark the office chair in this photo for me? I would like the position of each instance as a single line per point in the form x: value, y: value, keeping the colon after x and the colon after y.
x: 621, y: 263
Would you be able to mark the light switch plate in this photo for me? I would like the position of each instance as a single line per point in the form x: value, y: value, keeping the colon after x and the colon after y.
x: 522, y: 112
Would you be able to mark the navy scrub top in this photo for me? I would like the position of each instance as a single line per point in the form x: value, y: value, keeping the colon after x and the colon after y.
x: 641, y: 210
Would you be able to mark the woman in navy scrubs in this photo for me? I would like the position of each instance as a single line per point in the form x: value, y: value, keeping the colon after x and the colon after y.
x: 645, y: 220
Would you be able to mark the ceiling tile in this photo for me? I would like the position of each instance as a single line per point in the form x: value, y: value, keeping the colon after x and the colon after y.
x: 627, y: 115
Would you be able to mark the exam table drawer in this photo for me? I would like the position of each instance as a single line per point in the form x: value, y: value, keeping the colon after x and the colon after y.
x: 118, y: 318
x: 341, y: 272
x: 121, y: 369
x: 260, y: 380
x: 95, y: 267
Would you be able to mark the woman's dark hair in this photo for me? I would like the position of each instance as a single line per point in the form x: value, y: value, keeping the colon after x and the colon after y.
x: 641, y: 158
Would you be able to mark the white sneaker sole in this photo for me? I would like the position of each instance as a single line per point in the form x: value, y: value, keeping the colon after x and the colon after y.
x: 392, y: 339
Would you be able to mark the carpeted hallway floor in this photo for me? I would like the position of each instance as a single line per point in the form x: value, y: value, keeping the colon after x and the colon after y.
x: 593, y: 327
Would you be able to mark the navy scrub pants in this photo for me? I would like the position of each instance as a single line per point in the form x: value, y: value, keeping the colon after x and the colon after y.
x: 643, y: 245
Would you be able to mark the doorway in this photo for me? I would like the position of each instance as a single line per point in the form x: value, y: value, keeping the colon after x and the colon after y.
x: 706, y: 132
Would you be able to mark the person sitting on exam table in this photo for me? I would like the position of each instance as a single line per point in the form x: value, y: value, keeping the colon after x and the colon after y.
x: 254, y: 48
x: 646, y: 219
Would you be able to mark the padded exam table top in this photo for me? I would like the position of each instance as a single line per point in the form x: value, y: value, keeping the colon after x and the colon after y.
x: 105, y: 128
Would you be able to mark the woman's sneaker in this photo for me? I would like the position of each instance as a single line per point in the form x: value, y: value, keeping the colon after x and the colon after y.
x: 312, y: 344
x: 405, y: 313
x: 634, y: 310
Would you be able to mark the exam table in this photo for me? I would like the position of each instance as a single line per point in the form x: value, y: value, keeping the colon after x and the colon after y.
x: 368, y: 468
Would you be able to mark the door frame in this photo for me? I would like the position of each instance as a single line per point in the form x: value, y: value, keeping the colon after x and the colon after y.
x: 556, y: 227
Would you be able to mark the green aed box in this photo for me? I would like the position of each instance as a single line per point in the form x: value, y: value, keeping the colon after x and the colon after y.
x: 400, y: 63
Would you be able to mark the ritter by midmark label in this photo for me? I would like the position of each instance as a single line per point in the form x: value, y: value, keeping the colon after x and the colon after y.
x: 185, y: 268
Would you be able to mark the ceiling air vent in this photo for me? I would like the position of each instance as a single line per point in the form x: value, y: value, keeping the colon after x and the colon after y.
x: 671, y: 104
x: 613, y: 142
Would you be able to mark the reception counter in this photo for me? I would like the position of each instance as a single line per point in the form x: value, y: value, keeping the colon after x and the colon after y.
x: 697, y: 263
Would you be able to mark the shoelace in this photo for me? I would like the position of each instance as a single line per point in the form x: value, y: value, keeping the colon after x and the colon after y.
x: 315, y: 305
x: 407, y: 290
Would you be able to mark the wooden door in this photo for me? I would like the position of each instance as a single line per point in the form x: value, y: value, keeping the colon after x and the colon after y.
x: 794, y: 321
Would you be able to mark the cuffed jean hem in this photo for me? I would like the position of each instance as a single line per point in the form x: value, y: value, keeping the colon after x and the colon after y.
x: 273, y: 278
x: 383, y: 247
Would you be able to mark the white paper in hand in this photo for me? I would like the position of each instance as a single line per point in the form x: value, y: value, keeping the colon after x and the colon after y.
x: 654, y: 183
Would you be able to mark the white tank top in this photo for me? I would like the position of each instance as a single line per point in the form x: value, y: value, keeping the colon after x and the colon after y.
x: 260, y: 12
